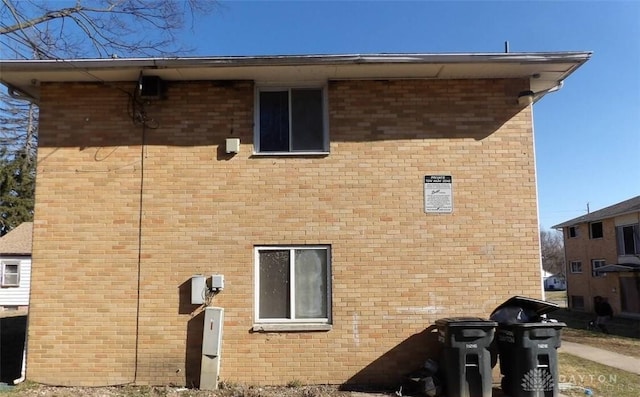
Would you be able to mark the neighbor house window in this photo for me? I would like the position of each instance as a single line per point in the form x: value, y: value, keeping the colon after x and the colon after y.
x: 595, y: 230
x: 291, y: 120
x: 293, y: 284
x: 595, y: 265
x: 10, y: 274
x: 573, y: 232
x: 577, y: 302
x: 629, y: 301
x: 628, y: 239
x: 576, y: 267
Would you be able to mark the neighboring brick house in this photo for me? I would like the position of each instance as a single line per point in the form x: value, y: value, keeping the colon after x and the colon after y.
x: 15, y: 274
x: 336, y: 253
x: 602, y: 253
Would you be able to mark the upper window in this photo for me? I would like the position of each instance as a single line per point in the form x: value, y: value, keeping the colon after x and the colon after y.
x: 10, y: 274
x: 595, y: 265
x: 293, y: 284
x: 573, y: 231
x: 595, y: 230
x: 291, y: 121
x: 628, y: 239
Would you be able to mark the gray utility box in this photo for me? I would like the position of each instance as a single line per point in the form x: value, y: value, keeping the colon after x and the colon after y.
x: 466, y: 359
x: 527, y: 347
x: 211, y: 348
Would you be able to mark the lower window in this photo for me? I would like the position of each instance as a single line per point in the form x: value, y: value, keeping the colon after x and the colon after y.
x: 577, y: 302
x: 595, y: 265
x: 10, y: 274
x: 293, y: 284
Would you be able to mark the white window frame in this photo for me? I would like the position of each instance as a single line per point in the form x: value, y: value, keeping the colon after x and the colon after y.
x: 5, y: 273
x: 595, y: 265
x: 621, y: 241
x: 264, y: 87
x: 576, y: 267
x: 290, y: 324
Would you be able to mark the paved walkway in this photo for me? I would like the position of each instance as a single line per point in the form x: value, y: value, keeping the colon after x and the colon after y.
x: 604, y: 357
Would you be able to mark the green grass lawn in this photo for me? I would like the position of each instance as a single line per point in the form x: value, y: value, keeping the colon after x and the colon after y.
x: 583, y: 374
x: 603, y: 381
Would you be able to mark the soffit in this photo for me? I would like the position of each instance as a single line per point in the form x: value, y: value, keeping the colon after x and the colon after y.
x: 544, y: 70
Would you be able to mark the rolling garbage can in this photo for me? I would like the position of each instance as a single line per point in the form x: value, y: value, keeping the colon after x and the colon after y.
x: 527, y: 347
x: 466, y: 360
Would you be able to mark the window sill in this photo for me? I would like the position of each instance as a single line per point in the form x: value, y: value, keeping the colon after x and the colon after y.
x: 290, y: 154
x: 292, y: 327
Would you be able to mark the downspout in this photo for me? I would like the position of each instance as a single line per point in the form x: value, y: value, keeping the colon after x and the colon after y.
x: 24, y: 365
x: 20, y: 95
x: 17, y: 94
x: 538, y: 95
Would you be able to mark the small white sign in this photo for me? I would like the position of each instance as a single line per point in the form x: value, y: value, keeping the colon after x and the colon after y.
x: 438, y: 194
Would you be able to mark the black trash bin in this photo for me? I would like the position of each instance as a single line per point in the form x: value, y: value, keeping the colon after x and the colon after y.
x: 527, y: 347
x: 466, y: 360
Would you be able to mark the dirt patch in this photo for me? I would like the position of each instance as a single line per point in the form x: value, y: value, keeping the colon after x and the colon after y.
x: 36, y: 390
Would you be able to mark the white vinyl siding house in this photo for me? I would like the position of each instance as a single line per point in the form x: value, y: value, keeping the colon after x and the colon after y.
x: 14, y: 291
x: 15, y: 268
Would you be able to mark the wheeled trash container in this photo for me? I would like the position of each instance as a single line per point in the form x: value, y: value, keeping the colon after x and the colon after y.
x: 466, y: 360
x: 527, y: 347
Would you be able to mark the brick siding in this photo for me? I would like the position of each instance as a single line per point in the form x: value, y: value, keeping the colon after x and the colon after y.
x: 120, y: 228
x: 584, y: 249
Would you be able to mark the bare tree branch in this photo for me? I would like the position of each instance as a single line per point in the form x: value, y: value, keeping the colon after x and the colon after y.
x: 108, y: 26
x: 65, y: 12
x: 552, y: 250
x: 46, y: 29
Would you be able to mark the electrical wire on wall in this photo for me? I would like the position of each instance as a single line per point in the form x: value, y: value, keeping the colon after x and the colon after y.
x: 209, y: 294
x: 140, y: 118
x: 137, y: 110
x: 138, y: 114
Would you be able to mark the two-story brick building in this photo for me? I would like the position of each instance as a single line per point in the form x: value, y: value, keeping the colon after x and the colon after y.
x: 349, y: 201
x: 602, y: 253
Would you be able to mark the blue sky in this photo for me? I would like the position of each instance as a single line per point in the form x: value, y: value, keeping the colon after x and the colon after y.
x: 587, y: 134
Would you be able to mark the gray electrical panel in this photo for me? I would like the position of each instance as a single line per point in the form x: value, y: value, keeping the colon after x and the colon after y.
x: 212, y: 334
x: 198, y: 289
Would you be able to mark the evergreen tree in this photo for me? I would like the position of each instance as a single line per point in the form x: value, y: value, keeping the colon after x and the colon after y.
x: 18, y: 143
x: 17, y: 187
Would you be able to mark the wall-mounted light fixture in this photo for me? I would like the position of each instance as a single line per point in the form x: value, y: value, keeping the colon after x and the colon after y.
x: 233, y: 145
x: 525, y: 98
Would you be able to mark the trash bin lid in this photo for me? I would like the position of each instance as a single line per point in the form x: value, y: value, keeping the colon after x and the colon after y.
x: 538, y: 306
x: 465, y: 322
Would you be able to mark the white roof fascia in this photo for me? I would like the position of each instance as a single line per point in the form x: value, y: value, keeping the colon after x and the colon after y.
x: 545, y: 70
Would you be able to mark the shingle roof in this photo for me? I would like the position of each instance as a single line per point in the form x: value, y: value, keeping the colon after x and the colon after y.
x: 17, y: 241
x: 624, y: 207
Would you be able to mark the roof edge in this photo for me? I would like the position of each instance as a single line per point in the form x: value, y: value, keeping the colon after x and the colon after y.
x: 578, y: 57
x: 628, y: 206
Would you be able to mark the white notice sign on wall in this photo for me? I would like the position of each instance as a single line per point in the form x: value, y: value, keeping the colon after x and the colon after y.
x: 438, y: 194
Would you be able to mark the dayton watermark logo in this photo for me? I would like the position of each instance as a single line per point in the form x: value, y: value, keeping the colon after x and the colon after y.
x: 537, y: 380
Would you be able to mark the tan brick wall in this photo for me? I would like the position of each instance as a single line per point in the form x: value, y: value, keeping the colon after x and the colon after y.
x: 110, y: 296
x: 584, y: 249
